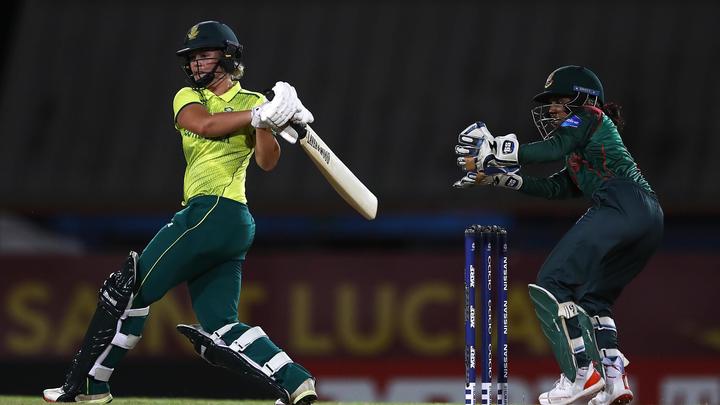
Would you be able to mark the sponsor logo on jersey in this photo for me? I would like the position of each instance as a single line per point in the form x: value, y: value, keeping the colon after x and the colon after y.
x: 511, y: 182
x: 572, y: 122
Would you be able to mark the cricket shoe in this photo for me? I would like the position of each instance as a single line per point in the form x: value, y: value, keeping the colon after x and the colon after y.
x: 304, y: 394
x: 617, y: 390
x: 587, y: 383
x: 93, y: 395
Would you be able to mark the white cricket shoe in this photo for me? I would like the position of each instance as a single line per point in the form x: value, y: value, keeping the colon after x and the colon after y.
x: 617, y: 390
x: 303, y: 395
x: 587, y: 383
x: 52, y: 395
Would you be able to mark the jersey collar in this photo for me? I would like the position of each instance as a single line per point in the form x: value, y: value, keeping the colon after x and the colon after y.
x: 228, y: 95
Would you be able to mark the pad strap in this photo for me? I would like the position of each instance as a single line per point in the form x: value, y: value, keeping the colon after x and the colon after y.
x: 217, y: 335
x: 136, y: 312
x: 125, y: 341
x: 578, y: 345
x: 276, y: 363
x: 615, y: 353
x: 101, y: 373
x: 247, y: 338
x: 603, y: 322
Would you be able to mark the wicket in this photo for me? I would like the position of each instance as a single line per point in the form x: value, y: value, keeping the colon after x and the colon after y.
x: 492, y: 242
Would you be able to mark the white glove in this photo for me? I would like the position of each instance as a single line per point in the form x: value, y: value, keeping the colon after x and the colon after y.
x: 489, y: 156
x: 279, y: 110
x: 474, y: 147
x: 473, y: 139
x: 510, y: 180
x: 302, y: 116
x: 505, y: 150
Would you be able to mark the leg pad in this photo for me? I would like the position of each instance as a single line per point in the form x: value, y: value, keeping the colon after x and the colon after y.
x: 552, y: 316
x: 215, y: 352
x: 114, y: 298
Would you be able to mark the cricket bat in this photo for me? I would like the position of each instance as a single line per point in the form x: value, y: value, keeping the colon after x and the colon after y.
x: 345, y: 183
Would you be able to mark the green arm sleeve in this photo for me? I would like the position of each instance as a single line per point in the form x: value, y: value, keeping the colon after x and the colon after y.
x: 559, y: 186
x: 550, y: 150
x: 566, y: 139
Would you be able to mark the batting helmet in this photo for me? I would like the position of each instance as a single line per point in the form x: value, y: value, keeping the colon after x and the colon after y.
x: 211, y: 35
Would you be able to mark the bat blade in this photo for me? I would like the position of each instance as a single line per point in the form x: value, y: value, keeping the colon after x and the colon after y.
x: 342, y: 179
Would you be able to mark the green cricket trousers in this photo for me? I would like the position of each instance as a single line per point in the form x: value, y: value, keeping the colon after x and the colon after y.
x: 204, y: 245
x: 605, y: 249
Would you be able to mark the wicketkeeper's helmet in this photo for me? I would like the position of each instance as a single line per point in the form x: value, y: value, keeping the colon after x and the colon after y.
x: 577, y: 82
x: 572, y: 81
x: 211, y: 35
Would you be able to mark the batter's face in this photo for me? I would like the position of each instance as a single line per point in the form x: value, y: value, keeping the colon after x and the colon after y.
x: 204, y: 61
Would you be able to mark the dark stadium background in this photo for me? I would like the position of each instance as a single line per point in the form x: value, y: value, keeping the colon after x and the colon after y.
x: 91, y: 167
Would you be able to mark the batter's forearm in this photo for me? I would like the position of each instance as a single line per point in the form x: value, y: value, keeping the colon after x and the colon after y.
x: 267, y: 149
x: 223, y: 124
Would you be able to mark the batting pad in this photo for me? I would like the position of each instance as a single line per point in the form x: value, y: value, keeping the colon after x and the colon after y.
x: 214, y: 351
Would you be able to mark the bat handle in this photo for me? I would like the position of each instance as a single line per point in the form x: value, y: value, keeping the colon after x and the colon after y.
x: 300, y: 129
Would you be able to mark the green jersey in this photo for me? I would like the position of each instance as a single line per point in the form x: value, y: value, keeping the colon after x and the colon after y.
x: 217, y: 166
x: 590, y: 145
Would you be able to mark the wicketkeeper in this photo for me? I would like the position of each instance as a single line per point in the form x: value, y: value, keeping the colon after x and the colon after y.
x: 221, y: 126
x: 605, y: 249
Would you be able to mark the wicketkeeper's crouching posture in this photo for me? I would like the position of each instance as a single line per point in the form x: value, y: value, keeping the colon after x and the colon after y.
x: 607, y: 247
x: 221, y: 126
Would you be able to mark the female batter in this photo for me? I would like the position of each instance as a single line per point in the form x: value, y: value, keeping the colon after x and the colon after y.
x: 222, y: 126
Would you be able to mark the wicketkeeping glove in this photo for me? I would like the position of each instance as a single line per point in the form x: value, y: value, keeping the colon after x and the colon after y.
x: 478, y: 148
x: 474, y: 140
x: 495, y: 178
x: 505, y: 150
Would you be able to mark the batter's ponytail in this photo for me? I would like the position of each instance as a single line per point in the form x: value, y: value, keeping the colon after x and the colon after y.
x: 613, y: 111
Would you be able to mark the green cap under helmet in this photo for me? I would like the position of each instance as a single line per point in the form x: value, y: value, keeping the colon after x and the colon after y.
x: 570, y: 80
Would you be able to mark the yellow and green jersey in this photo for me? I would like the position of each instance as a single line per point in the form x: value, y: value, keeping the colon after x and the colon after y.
x: 217, y: 166
x: 593, y: 151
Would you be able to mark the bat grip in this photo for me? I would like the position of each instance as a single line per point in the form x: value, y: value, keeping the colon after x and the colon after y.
x: 300, y: 129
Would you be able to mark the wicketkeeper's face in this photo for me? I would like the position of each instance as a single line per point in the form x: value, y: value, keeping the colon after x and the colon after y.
x: 558, y: 109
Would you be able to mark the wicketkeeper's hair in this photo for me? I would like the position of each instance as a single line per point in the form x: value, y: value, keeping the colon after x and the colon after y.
x: 614, y: 111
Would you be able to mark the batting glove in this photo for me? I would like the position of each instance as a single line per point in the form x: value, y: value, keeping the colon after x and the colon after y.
x: 302, y: 116
x: 277, y: 112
